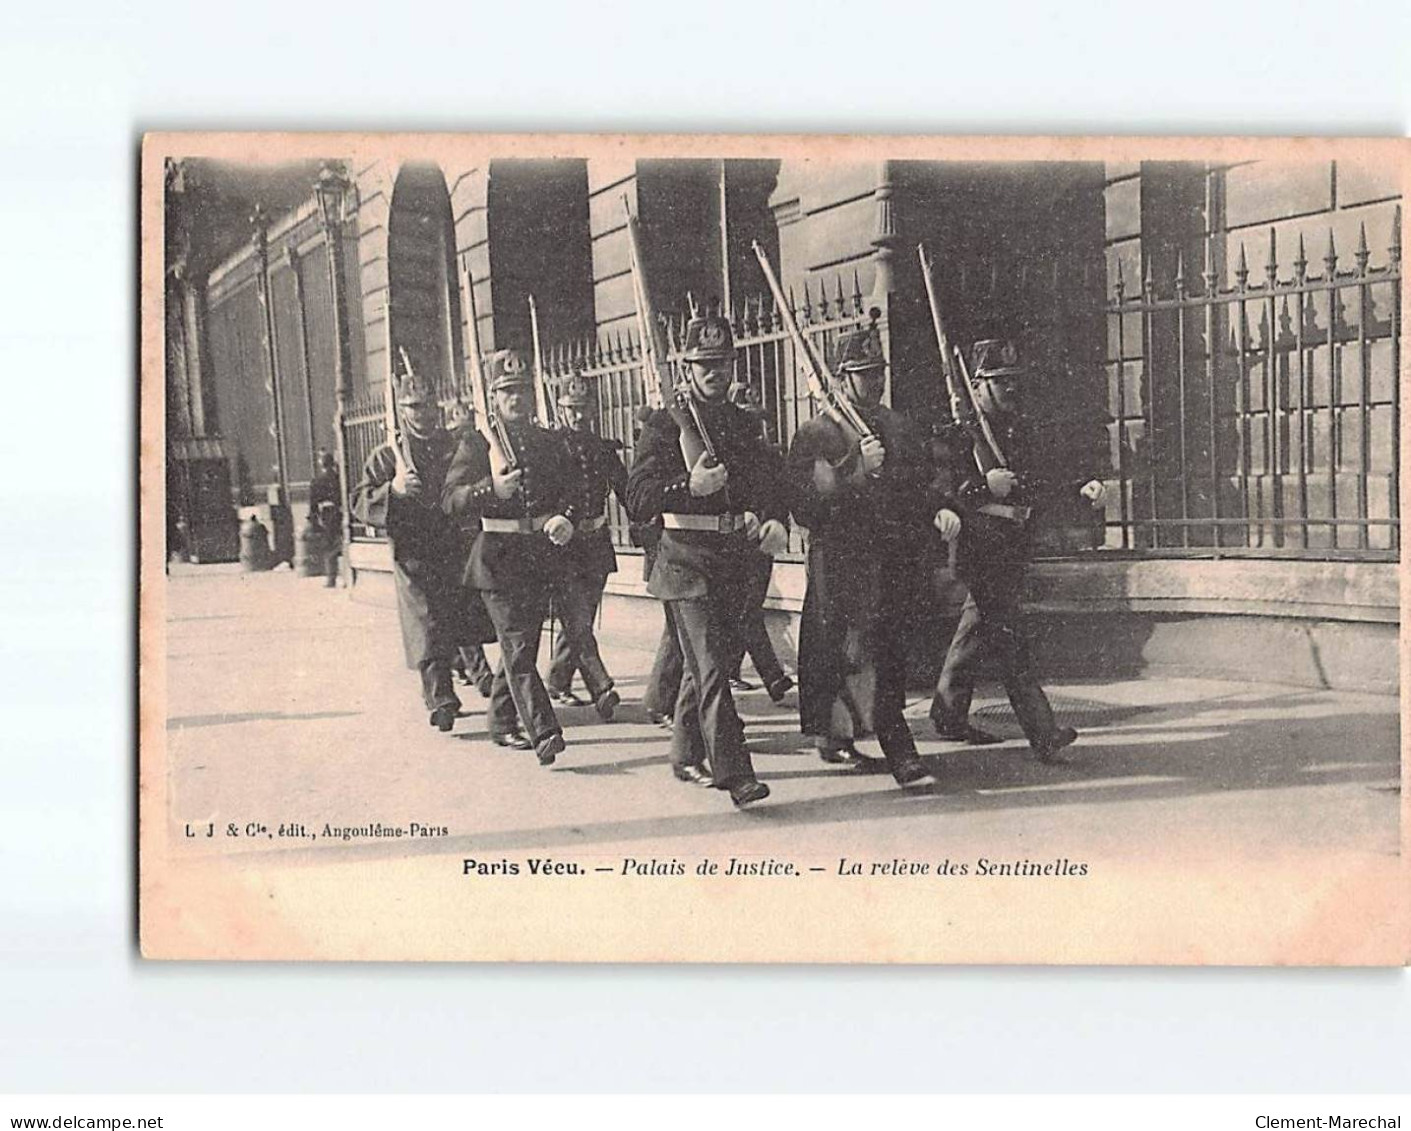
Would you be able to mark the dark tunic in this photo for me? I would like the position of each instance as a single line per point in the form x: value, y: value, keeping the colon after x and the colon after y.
x: 549, y: 486
x: 428, y: 552
x: 690, y: 564
x: 871, y: 540
x: 600, y: 471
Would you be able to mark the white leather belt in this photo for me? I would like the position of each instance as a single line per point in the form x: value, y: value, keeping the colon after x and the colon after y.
x: 514, y: 525
x: 591, y: 524
x: 1004, y: 510
x: 715, y: 523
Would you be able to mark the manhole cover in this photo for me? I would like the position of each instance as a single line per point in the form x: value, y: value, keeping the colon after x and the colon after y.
x: 1067, y: 710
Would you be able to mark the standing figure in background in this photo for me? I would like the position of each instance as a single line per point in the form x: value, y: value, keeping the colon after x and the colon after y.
x: 400, y: 492
x: 869, y: 505
x: 996, y: 510
x: 758, y: 646
x: 589, y: 558
x: 326, y: 512
x: 718, y: 512
x: 526, y: 514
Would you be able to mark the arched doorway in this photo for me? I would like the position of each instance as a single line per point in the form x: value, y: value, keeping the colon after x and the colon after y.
x: 540, y: 245
x: 421, y: 276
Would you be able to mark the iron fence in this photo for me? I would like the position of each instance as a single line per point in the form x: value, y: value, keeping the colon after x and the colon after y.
x: 1259, y: 418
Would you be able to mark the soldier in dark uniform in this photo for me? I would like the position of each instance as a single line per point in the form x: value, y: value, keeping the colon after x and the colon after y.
x: 996, y: 514
x: 869, y: 505
x: 664, y: 680
x: 716, y: 518
x: 400, y: 492
x: 470, y: 666
x: 525, y: 514
x: 589, y: 558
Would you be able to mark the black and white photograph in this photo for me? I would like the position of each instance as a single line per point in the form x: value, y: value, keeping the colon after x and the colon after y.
x: 771, y: 549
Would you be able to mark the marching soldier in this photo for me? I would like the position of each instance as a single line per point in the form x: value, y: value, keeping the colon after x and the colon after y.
x: 869, y: 506
x: 717, y: 516
x: 589, y: 558
x: 470, y: 666
x: 996, y: 514
x: 664, y: 680
x: 759, y: 647
x: 525, y: 513
x: 400, y: 491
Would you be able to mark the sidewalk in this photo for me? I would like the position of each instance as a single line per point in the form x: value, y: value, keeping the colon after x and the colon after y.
x: 289, y: 703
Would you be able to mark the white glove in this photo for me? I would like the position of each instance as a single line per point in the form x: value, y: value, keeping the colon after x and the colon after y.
x: 873, y: 455
x: 559, y: 530
x: 707, y: 480
x: 1001, y: 481
x: 773, y: 538
x: 751, y: 525
x: 948, y: 523
x: 506, y: 483
x: 825, y: 479
x: 1094, y: 491
x: 406, y: 482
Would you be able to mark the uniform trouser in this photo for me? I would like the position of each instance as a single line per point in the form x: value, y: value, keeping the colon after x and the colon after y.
x: 426, y: 608
x: 707, y: 725
x: 990, y: 626
x: 664, y: 682
x: 889, y: 695
x: 757, y: 642
x: 576, y: 602
x: 518, y: 696
x: 436, y: 688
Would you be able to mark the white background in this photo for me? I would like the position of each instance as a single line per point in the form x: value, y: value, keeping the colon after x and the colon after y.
x: 79, y: 81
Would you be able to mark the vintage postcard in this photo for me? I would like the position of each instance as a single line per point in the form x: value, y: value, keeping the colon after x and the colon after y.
x: 772, y: 549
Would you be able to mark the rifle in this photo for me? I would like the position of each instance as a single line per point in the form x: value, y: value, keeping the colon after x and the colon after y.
x: 695, y: 440
x: 964, y: 410
x: 816, y: 373
x: 491, y: 426
x: 391, y: 424
x: 542, y: 408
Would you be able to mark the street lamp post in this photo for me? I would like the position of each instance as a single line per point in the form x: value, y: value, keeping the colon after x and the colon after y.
x: 332, y: 189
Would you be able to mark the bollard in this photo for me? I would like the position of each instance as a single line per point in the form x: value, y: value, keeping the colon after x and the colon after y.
x: 312, y: 548
x: 254, y: 546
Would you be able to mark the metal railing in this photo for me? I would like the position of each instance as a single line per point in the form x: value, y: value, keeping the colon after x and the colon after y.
x: 1260, y: 418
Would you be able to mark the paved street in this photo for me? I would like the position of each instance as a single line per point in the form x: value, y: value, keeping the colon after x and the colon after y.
x: 289, y: 704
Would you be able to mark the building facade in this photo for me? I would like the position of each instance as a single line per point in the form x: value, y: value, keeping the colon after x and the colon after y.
x: 1222, y: 344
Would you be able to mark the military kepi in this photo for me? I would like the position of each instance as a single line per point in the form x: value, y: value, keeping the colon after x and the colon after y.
x: 995, y: 357
x: 506, y: 369
x: 576, y: 393
x: 708, y: 338
x: 858, y: 350
x: 414, y: 389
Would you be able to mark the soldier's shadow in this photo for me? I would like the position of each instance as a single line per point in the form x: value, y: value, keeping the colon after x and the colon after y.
x: 1182, y: 751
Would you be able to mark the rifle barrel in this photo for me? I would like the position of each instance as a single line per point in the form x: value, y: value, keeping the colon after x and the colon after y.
x: 815, y: 370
